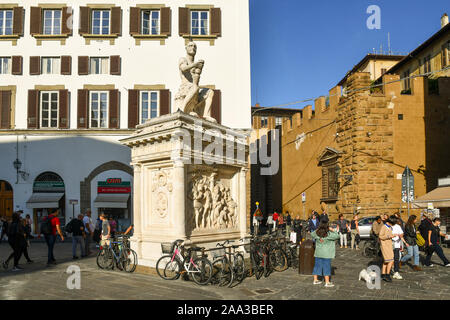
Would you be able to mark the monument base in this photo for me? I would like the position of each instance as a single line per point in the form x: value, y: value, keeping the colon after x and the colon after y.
x: 189, y: 184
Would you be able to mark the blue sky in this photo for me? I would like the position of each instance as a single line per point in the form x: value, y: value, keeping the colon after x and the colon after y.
x: 301, y: 49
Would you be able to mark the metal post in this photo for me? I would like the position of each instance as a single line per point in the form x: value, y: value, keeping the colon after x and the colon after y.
x: 407, y: 192
x: 73, y: 210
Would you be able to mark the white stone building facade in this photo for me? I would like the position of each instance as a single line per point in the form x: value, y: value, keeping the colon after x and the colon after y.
x: 69, y: 94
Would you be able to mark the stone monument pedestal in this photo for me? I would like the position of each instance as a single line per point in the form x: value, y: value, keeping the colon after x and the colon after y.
x: 189, y: 183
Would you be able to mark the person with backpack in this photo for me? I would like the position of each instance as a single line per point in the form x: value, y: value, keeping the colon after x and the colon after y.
x: 78, y: 236
x: 98, y: 230
x: 411, y: 239
x: 49, y: 227
x: 17, y: 241
x: 325, y: 251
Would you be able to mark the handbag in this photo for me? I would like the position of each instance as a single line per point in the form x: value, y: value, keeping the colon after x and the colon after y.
x: 420, y: 240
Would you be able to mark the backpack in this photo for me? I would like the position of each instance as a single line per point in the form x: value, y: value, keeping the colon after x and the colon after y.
x: 46, y: 226
x: 69, y: 227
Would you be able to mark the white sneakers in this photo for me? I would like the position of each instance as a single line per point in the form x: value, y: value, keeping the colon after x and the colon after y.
x: 317, y: 282
x: 397, y: 276
x: 329, y: 285
x: 447, y: 265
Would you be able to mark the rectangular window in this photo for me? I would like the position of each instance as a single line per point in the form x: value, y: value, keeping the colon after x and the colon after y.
x: 51, y: 65
x: 278, y: 121
x: 149, y: 107
x: 99, y: 65
x: 150, y: 22
x: 406, y: 80
x: 6, y: 22
x: 5, y: 65
x: 99, y: 109
x: 427, y: 64
x: 200, y: 23
x: 52, y: 21
x: 101, y: 21
x: 263, y: 122
x: 49, y: 109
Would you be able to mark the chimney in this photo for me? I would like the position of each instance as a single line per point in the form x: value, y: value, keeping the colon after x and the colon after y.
x: 444, y: 20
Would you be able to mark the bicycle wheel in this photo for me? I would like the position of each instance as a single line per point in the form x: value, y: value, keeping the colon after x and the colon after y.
x: 278, y: 260
x: 258, y: 268
x: 105, y: 259
x: 238, y: 268
x: 222, y: 274
x: 167, y: 268
x: 129, y: 260
x: 202, y: 272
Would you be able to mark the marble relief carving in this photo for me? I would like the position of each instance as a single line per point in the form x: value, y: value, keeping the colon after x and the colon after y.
x: 161, y: 187
x: 211, y: 205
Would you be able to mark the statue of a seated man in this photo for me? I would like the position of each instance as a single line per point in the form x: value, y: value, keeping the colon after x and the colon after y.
x: 190, y: 98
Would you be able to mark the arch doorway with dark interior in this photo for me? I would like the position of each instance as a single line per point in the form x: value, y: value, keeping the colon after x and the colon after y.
x: 48, y: 194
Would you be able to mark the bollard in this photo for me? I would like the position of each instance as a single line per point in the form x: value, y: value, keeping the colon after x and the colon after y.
x: 306, y: 257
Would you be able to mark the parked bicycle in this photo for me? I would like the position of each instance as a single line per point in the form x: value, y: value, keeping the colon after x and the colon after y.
x: 227, y: 266
x: 174, y: 263
x: 117, y: 254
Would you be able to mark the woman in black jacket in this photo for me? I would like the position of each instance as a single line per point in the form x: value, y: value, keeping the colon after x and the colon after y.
x: 17, y: 241
x: 410, y: 238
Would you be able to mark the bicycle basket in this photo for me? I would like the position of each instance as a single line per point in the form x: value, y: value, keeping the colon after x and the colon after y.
x: 167, y: 247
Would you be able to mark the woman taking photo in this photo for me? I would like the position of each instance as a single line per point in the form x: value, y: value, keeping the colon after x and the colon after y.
x: 325, y: 251
x: 410, y: 238
x: 386, y: 249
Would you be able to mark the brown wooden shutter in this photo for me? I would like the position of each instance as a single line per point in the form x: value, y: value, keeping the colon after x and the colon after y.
x: 35, y: 65
x: 183, y: 21
x: 135, y: 20
x: 444, y: 55
x: 324, y: 183
x: 85, y: 19
x: 133, y: 108
x: 216, y: 21
x: 17, y: 63
x: 67, y: 21
x: 33, y: 109
x: 216, y: 106
x: 63, y: 109
x: 164, y: 102
x: 5, y: 109
x: 114, y: 65
x: 35, y: 20
x: 114, y: 109
x: 83, y: 65
x: 66, y: 65
x: 166, y: 21
x: 18, y: 21
x: 82, y: 108
x: 116, y: 20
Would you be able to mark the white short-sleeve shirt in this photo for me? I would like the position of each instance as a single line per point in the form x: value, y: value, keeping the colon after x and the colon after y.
x: 397, y: 230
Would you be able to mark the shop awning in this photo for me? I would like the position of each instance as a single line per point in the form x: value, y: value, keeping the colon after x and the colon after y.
x: 439, y: 197
x: 106, y: 200
x: 44, y: 200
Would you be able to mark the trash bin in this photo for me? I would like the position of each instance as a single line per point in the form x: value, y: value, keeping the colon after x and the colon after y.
x: 306, y: 257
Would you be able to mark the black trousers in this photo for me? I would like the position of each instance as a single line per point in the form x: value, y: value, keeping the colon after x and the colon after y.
x: 432, y: 249
x: 19, y: 248
x: 396, y: 260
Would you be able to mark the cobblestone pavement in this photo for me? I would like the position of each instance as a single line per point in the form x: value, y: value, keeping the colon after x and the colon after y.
x: 39, y: 282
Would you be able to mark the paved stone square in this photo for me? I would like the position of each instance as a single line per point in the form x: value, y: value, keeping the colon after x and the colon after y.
x: 39, y: 282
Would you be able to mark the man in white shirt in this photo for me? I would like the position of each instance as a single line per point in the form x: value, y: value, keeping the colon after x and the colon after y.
x: 397, y: 231
x: 89, y: 227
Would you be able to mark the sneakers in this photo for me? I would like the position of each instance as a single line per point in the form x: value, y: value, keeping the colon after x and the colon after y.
x: 397, y: 276
x: 447, y: 265
x: 317, y: 282
x: 30, y: 261
x: 329, y: 284
x: 386, y: 277
x: 17, y: 268
x: 430, y: 265
x: 75, y: 257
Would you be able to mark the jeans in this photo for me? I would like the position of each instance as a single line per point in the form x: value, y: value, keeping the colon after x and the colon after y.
x: 413, y: 251
x: 87, y: 243
x: 343, y: 239
x: 50, y: 239
x: 322, y: 267
x: 75, y: 241
x: 435, y: 248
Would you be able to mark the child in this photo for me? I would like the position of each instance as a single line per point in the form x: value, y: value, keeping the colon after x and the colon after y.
x: 325, y: 251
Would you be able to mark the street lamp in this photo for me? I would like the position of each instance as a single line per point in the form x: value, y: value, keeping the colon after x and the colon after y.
x: 17, y: 165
